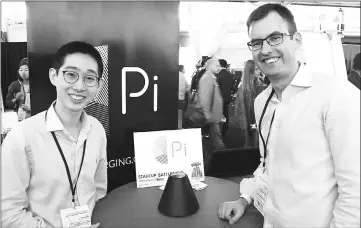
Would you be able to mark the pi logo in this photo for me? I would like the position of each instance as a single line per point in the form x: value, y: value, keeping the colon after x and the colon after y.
x: 142, y: 91
x: 160, y: 150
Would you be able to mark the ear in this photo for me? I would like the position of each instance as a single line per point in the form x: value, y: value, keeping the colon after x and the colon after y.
x: 53, y: 76
x: 298, y: 39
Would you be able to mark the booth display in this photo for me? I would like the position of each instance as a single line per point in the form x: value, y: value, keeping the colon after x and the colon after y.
x: 139, y: 45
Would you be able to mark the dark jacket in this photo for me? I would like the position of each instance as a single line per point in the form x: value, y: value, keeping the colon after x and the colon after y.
x: 13, y: 89
x: 226, y: 82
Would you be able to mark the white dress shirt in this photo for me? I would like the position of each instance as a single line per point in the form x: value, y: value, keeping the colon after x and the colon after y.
x: 313, y: 153
x: 35, y: 184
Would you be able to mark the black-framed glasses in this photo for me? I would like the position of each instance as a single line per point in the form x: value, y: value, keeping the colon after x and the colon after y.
x: 89, y: 79
x: 272, y: 40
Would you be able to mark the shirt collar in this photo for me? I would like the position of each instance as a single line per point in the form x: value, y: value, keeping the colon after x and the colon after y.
x: 303, y: 78
x: 53, y: 122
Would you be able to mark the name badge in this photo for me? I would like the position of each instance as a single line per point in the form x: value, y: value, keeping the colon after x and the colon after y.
x: 261, y: 192
x: 76, y: 217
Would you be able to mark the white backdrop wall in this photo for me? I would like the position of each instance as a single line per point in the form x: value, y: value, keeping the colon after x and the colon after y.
x: 16, y: 33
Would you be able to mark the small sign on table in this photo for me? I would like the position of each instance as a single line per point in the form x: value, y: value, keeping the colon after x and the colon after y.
x: 159, y: 154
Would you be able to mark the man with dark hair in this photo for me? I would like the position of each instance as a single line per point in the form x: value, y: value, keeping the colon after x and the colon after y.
x: 309, y: 127
x: 225, y: 81
x: 77, y: 47
x: 54, y: 163
x: 354, y: 76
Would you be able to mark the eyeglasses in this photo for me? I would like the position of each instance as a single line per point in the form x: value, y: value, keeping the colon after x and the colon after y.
x: 272, y: 40
x: 89, y: 80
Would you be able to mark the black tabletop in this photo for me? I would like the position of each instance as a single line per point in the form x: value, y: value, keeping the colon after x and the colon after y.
x: 130, y: 207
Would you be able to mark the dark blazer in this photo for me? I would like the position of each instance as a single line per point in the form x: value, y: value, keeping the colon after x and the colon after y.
x: 13, y: 89
x: 226, y: 82
x: 354, y: 78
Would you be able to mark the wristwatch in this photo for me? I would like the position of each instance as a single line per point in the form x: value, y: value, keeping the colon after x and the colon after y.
x: 246, y: 197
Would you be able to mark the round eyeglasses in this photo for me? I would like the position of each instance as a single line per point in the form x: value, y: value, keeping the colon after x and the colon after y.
x: 272, y: 40
x: 89, y: 79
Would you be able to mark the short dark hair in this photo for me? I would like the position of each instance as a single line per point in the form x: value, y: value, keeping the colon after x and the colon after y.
x: 204, y: 60
x: 77, y: 47
x: 356, y: 62
x: 223, y: 63
x: 263, y: 11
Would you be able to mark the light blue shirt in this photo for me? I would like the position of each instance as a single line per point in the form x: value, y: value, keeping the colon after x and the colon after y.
x: 313, y: 153
x: 35, y: 185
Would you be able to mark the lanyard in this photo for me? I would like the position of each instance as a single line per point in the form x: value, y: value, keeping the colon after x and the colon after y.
x: 72, y: 187
x: 269, y: 131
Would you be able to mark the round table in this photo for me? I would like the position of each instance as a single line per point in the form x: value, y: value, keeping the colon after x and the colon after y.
x: 130, y: 207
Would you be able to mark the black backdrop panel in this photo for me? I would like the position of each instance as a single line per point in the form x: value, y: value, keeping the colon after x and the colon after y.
x: 143, y: 35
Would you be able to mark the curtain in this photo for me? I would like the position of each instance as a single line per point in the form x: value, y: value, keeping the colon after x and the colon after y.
x: 207, y: 27
x: 323, y: 53
x: 338, y: 57
x: 11, y: 54
x: 350, y: 50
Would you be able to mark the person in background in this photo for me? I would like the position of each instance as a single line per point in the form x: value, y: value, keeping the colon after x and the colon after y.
x: 18, y: 96
x: 201, y: 69
x: 56, y: 160
x: 225, y: 81
x: 249, y: 89
x: 354, y: 76
x: 209, y: 105
x: 228, y: 68
x: 183, y: 91
x: 263, y: 78
x: 309, y: 128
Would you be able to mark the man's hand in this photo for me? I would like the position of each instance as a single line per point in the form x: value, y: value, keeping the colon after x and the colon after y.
x: 232, y: 211
x: 95, y: 225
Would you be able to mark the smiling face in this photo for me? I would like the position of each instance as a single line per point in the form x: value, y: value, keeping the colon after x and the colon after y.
x: 279, y: 60
x: 76, y: 96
